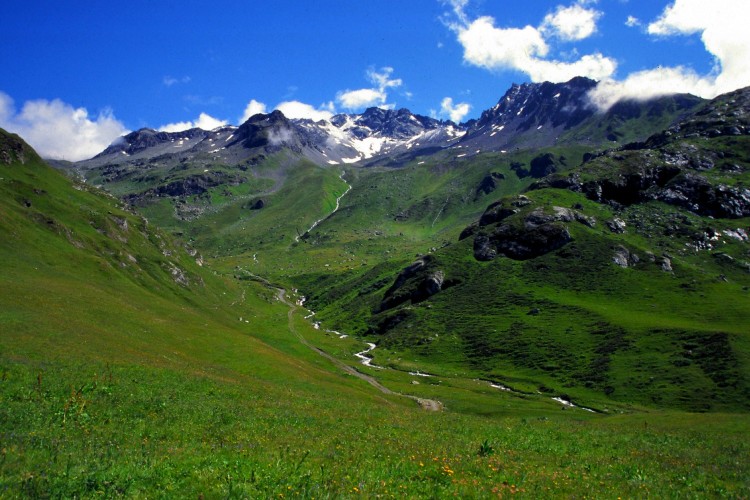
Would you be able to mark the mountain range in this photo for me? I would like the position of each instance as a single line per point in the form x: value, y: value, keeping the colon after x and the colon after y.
x: 527, y: 116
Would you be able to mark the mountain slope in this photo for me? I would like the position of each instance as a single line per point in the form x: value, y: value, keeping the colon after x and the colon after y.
x: 539, y: 115
x: 128, y: 369
x: 588, y: 282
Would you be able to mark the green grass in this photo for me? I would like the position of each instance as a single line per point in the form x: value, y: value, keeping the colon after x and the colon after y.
x: 120, y: 378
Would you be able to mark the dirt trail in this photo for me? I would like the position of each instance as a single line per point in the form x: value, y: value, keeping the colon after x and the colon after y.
x: 427, y: 404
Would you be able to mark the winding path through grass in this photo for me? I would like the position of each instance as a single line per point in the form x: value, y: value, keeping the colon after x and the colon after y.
x: 427, y: 404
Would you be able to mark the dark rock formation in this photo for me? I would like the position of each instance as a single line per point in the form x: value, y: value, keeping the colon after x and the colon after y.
x: 257, y: 204
x: 489, y: 183
x: 522, y: 242
x: 415, y: 283
x: 543, y: 165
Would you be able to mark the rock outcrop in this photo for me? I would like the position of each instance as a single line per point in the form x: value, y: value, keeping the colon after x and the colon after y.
x: 514, y: 228
x: 416, y: 283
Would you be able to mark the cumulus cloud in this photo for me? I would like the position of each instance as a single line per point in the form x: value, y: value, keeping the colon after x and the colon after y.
x: 374, y: 96
x: 57, y: 130
x: 725, y: 36
x: 526, y: 49
x: 454, y: 112
x: 297, y: 109
x: 571, y: 23
x: 204, y: 121
x: 362, y: 98
x: 253, y: 108
x: 650, y: 83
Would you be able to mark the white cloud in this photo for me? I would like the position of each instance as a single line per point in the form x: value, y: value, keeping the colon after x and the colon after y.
x: 632, y: 22
x: 454, y: 112
x: 648, y: 84
x: 382, y: 79
x: 493, y: 48
x: 58, y: 130
x: 253, y: 108
x: 297, y: 109
x: 524, y: 50
x: 571, y: 23
x: 362, y: 98
x: 594, y: 66
x: 368, y: 97
x: 686, y: 17
x: 459, y: 18
x: 204, y: 121
x: 722, y: 27
x: 168, y: 81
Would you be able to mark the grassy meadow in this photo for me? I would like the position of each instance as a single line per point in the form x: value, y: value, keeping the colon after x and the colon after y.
x: 132, y: 365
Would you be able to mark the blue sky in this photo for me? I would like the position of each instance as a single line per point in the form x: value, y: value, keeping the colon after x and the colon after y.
x: 78, y: 74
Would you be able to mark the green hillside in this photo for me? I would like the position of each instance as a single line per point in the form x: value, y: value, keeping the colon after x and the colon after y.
x: 135, y: 365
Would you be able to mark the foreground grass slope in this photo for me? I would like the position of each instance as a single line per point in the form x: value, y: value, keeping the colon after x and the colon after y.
x: 126, y: 369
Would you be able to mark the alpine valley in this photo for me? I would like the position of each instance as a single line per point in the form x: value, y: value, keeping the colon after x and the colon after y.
x: 550, y: 300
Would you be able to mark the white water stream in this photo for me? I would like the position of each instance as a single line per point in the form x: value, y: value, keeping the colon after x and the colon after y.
x: 365, y: 359
x: 335, y: 209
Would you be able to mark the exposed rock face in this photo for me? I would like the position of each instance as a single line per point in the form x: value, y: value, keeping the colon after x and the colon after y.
x: 271, y: 131
x: 399, y: 124
x: 666, y: 264
x: 636, y: 179
x: 624, y: 258
x: 145, y: 138
x: 521, y: 243
x: 257, y: 204
x: 489, y: 183
x: 415, y: 283
x: 697, y: 194
x: 503, y: 209
x: 543, y: 108
x: 543, y: 165
x: 616, y: 225
x: 14, y: 149
x: 677, y: 166
x: 521, y: 233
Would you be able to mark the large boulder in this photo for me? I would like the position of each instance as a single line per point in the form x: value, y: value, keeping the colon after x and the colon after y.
x: 521, y: 243
x: 525, y: 236
x: 415, y: 283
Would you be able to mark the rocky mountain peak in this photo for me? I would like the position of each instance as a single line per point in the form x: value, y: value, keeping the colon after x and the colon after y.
x: 145, y: 138
x: 534, y: 104
x: 396, y: 124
